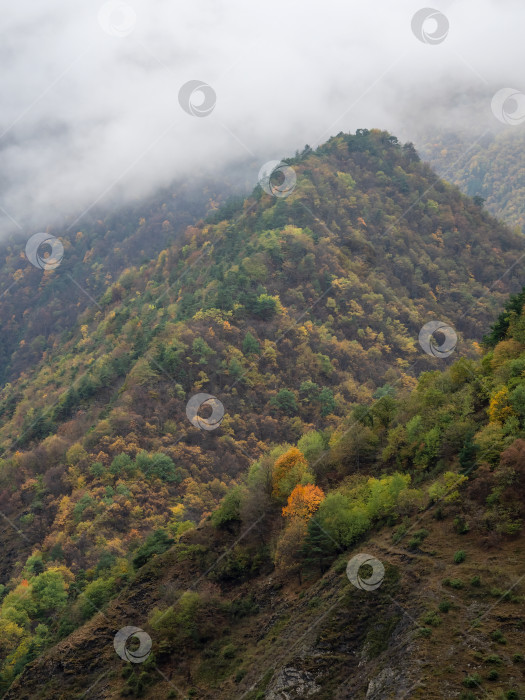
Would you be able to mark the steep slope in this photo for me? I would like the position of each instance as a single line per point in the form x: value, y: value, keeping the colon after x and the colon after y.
x: 227, y: 617
x: 490, y: 167
x: 292, y: 312
x: 38, y: 311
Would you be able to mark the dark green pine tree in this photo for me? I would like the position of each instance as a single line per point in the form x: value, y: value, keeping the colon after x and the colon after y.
x: 467, y: 454
x: 512, y: 309
x: 250, y: 345
x: 319, y: 549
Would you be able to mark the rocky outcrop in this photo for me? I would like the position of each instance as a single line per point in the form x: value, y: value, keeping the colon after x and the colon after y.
x: 292, y: 684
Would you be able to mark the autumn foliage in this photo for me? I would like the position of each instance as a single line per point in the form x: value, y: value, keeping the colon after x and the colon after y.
x: 99, y: 467
x: 303, y: 502
x: 289, y: 469
x: 499, y: 410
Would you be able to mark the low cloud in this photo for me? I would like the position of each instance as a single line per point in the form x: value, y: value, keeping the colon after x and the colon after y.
x: 90, y: 112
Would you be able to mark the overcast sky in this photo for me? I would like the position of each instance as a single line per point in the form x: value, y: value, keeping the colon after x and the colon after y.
x: 90, y: 104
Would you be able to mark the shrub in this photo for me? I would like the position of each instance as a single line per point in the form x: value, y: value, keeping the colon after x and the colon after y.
x: 157, y: 543
x: 475, y: 581
x: 456, y: 583
x: 444, y: 606
x: 185, y: 624
x: 493, y: 659
x: 229, y: 651
x: 417, y: 538
x: 493, y: 675
x: 498, y: 593
x: 242, y: 607
x: 460, y: 525
x: 398, y: 535
x: 238, y: 564
x: 432, y: 619
x: 497, y: 636
x: 460, y: 556
x: 446, y: 488
x: 473, y: 681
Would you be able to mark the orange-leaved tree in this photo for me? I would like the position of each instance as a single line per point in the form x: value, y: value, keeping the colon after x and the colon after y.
x: 290, y: 469
x: 303, y: 501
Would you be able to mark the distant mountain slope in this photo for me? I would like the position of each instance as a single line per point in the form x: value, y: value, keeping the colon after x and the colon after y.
x: 38, y: 311
x: 291, y: 311
x: 492, y: 167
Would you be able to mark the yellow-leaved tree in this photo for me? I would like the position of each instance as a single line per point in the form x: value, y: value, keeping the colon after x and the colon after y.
x: 499, y: 409
x: 290, y: 469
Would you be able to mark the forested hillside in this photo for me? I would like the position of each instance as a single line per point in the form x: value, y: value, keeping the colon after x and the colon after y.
x: 490, y: 167
x: 301, y: 315
x: 38, y: 312
x: 259, y: 602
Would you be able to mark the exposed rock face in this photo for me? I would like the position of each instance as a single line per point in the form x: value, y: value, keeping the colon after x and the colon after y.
x: 292, y: 684
x: 381, y: 685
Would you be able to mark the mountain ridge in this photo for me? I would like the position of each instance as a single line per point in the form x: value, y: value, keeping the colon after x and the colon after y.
x: 295, y: 313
